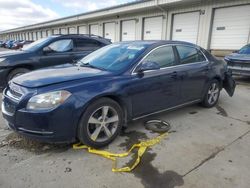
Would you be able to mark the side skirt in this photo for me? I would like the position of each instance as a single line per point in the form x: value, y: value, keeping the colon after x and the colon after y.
x: 169, y: 109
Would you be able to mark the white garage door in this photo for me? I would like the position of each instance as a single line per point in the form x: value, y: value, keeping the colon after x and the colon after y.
x: 72, y: 30
x: 186, y: 26
x: 82, y: 29
x: 63, y: 31
x: 44, y: 34
x: 152, y: 28
x: 94, y: 29
x: 34, y: 36
x: 30, y: 36
x: 55, y: 31
x: 128, y: 30
x: 109, y: 31
x: 49, y: 32
x: 231, y: 28
x: 38, y: 35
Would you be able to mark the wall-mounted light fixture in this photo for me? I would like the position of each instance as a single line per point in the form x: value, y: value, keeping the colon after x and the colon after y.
x: 202, y: 12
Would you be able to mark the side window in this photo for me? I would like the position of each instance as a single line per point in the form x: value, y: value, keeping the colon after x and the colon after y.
x: 87, y: 44
x: 164, y: 56
x: 64, y: 45
x: 189, y: 55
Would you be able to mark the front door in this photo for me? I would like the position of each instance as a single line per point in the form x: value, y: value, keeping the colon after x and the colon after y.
x: 58, y: 52
x: 157, y: 89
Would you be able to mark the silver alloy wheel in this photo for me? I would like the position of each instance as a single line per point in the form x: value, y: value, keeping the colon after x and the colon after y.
x: 102, y: 124
x: 213, y: 93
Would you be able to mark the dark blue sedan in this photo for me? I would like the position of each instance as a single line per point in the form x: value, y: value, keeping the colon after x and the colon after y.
x: 92, y: 100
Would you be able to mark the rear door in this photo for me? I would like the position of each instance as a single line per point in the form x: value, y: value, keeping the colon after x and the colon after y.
x: 193, y: 69
x: 61, y: 52
x: 157, y: 89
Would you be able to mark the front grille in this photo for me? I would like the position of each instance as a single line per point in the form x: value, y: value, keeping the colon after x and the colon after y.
x: 15, y: 93
x: 241, y: 64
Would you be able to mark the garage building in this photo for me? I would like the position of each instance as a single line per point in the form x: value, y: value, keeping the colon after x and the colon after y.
x: 217, y: 25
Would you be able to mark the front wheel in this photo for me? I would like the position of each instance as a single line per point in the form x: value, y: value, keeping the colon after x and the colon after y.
x: 101, y: 123
x: 212, y: 94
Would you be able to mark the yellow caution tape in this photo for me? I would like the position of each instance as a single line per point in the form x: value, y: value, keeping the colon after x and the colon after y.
x: 142, y: 147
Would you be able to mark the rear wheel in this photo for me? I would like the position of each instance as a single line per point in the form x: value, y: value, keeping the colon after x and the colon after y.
x: 17, y: 72
x: 101, y: 123
x: 212, y: 94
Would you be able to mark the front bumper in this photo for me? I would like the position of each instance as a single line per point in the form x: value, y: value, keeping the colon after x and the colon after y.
x: 57, y: 126
x: 240, y: 70
x: 3, y: 77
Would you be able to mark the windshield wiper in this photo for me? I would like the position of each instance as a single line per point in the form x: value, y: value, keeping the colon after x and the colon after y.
x: 91, y: 66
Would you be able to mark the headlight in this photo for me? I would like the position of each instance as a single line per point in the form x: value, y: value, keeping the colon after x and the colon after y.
x: 48, y: 101
x: 2, y: 59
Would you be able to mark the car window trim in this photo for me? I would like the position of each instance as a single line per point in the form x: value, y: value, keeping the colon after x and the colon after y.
x: 141, y: 61
x: 190, y: 47
x: 178, y: 62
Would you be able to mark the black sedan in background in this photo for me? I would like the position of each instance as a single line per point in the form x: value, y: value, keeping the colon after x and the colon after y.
x: 50, y: 51
x: 239, y: 61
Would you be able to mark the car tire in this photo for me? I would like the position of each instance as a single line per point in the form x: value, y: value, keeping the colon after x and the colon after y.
x: 101, y: 123
x: 212, y: 94
x: 17, y: 72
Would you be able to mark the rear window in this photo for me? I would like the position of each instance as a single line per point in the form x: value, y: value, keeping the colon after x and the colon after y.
x: 190, y: 55
x: 87, y: 44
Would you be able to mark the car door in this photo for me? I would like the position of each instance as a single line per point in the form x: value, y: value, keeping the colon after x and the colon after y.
x: 194, y: 69
x: 85, y: 47
x: 57, y: 52
x: 157, y: 89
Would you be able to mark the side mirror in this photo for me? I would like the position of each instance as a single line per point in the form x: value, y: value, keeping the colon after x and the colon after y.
x: 148, y: 65
x: 47, y: 50
x: 235, y: 51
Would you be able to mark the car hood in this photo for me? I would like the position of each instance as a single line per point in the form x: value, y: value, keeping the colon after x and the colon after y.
x: 236, y: 56
x: 55, y: 75
x: 6, y: 54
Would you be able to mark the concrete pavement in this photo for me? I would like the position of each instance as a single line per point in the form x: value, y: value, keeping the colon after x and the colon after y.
x: 207, y: 148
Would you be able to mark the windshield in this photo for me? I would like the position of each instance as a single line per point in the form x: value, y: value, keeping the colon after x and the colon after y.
x: 245, y: 50
x: 35, y: 45
x: 114, y: 57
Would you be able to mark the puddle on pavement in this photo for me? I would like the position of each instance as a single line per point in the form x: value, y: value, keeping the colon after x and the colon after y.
x: 151, y: 177
x: 145, y: 171
x: 132, y: 137
x: 221, y: 110
x: 19, y: 142
x: 193, y: 112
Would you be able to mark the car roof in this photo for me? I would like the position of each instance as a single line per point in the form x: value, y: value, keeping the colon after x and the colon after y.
x: 157, y: 42
x: 85, y: 36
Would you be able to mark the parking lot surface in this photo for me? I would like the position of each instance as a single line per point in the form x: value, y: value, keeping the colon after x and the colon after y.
x: 206, y: 148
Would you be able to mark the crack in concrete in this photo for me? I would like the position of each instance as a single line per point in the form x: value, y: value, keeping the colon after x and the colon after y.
x: 214, y: 154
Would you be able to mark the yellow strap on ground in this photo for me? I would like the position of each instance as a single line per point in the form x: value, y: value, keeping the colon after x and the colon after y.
x: 142, y: 147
